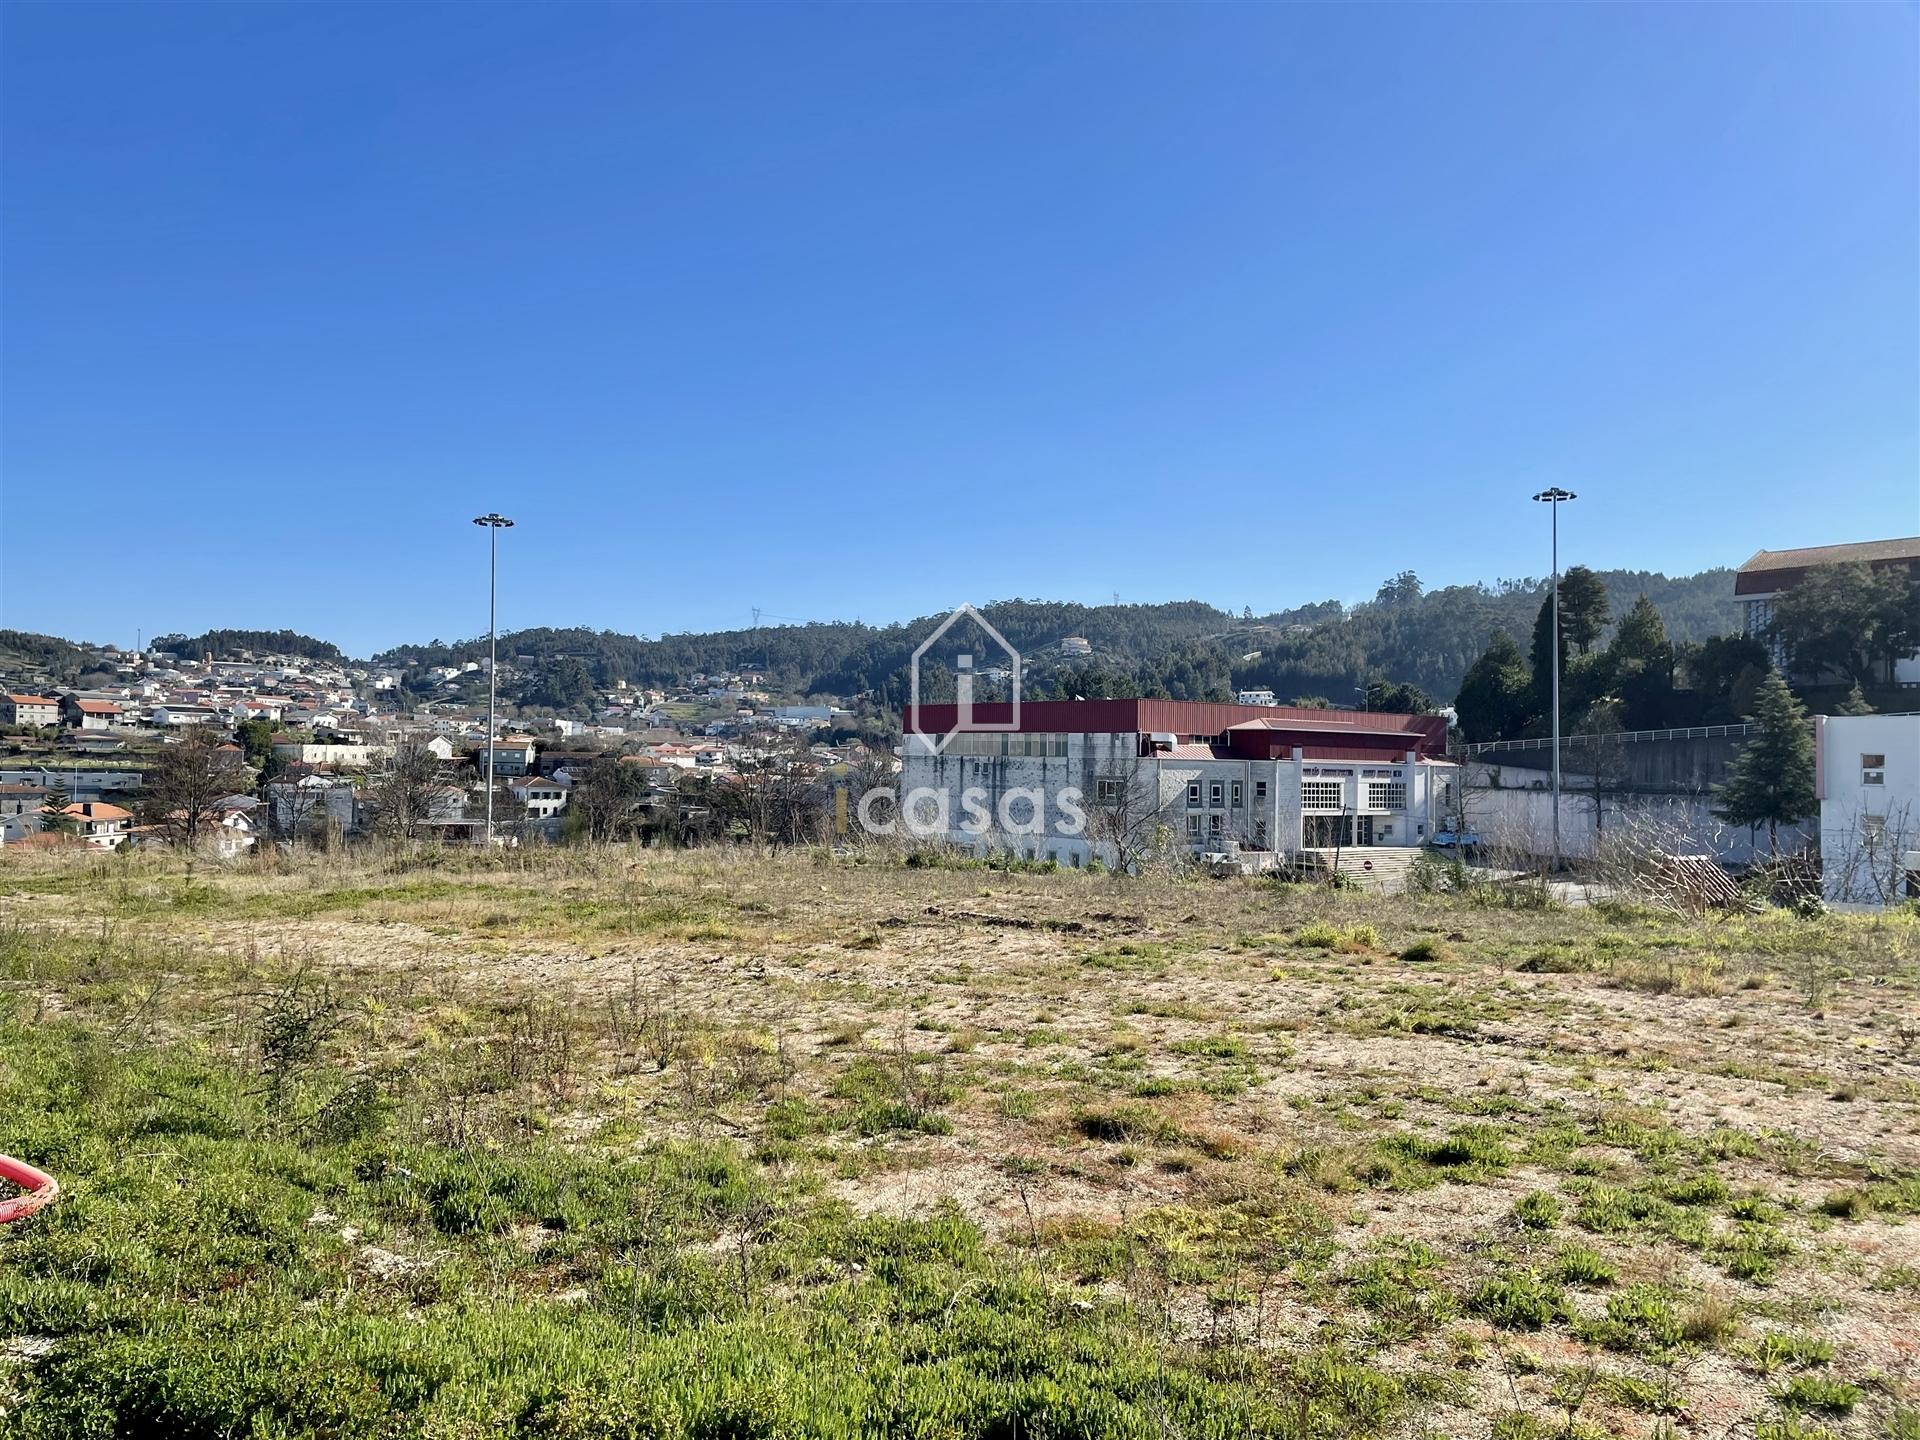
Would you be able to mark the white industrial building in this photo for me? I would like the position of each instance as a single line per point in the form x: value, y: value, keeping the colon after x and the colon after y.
x: 1074, y: 780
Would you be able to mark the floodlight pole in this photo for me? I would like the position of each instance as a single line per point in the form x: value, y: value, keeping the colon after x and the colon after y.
x: 494, y: 525
x: 1553, y: 499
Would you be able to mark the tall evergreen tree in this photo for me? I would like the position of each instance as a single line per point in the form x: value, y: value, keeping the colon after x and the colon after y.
x: 1771, y: 781
x: 1583, y: 607
x: 1641, y: 661
x: 1496, y: 697
x: 53, y: 810
x: 1641, y: 644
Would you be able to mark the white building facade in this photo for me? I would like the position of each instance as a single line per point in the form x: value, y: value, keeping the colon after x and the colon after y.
x: 1115, y: 780
x: 1868, y: 783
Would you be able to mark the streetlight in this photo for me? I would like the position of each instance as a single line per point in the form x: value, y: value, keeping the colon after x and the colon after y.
x: 1361, y: 691
x: 1553, y: 499
x: 494, y: 525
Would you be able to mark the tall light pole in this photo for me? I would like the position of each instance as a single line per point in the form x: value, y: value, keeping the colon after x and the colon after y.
x: 1553, y: 499
x: 494, y: 525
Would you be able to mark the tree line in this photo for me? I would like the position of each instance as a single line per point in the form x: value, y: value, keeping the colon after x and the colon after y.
x: 228, y: 644
x: 1185, y: 650
x: 1848, y: 621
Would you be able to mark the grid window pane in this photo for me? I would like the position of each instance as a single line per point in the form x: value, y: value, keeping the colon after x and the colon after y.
x: 1321, y: 794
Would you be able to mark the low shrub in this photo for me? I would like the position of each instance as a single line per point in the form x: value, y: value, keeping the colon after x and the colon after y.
x: 1521, y: 1300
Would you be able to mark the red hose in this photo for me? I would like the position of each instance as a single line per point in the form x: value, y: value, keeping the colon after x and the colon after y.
x: 40, y: 1187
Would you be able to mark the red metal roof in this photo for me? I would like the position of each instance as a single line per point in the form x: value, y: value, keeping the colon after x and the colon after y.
x: 1771, y: 571
x: 1278, y: 726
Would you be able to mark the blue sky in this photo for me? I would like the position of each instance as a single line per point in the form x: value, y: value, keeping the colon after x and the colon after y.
x: 865, y: 310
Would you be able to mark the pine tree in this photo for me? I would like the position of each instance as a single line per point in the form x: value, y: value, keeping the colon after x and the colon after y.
x: 1641, y: 662
x: 1583, y: 607
x: 53, y: 810
x: 1640, y: 645
x: 1495, y: 699
x: 1771, y: 781
x: 1855, y: 703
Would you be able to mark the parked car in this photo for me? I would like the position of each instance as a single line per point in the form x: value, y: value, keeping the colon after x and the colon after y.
x: 1456, y: 839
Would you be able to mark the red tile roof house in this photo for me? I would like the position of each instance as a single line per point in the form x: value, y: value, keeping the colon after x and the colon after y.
x: 1077, y: 780
x: 100, y: 825
x: 1771, y: 573
x: 29, y: 710
x: 91, y: 714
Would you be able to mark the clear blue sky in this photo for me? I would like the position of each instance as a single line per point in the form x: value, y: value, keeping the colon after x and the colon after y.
x: 866, y: 310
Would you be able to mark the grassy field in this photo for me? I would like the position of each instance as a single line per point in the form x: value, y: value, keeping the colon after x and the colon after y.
x: 723, y: 1144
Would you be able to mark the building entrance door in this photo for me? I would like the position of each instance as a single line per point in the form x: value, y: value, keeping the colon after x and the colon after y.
x: 1363, y: 829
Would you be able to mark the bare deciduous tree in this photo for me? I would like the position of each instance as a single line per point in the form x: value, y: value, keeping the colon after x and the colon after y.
x: 1865, y: 859
x: 293, y: 803
x: 405, y: 792
x: 609, y: 801
x: 180, y: 795
x: 1124, y: 811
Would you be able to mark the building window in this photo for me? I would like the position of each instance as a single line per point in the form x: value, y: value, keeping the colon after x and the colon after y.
x: 1193, y: 824
x: 1213, y: 824
x: 1214, y: 793
x: 1108, y: 792
x: 1321, y: 794
x: 1386, y: 794
x: 1259, y: 789
x: 1193, y: 794
x: 1236, y: 795
x: 1873, y: 829
x: 1873, y: 769
x: 992, y: 745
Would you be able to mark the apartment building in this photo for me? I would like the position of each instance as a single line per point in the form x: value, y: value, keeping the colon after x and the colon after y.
x: 29, y: 710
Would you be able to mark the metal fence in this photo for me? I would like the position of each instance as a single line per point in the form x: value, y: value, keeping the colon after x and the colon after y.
x: 1545, y: 742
